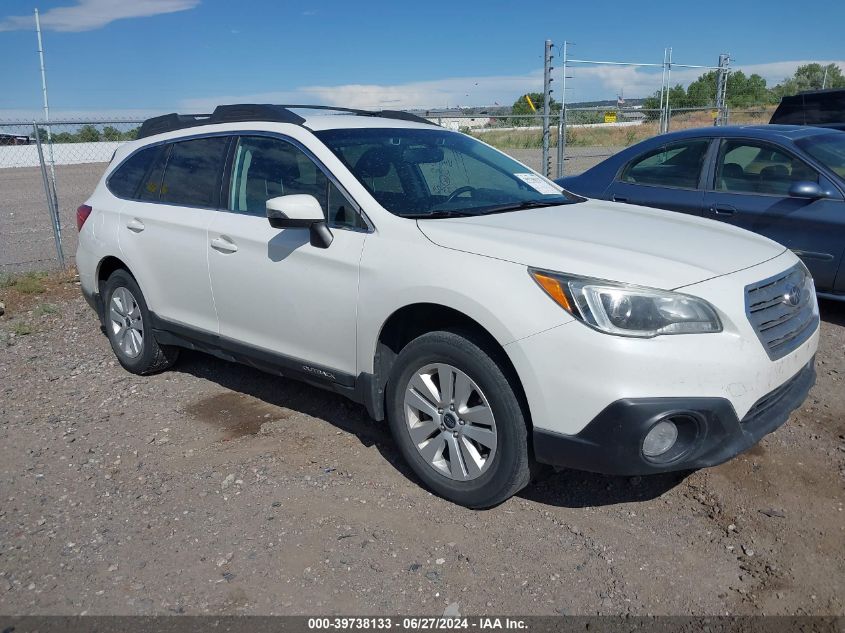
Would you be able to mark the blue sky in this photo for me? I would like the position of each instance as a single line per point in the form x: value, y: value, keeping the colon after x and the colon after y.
x: 113, y: 56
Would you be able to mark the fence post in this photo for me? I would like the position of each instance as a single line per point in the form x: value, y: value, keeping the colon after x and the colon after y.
x: 561, y: 128
x: 561, y: 141
x: 52, y: 202
x: 662, y: 95
x: 667, y: 109
x: 547, y: 105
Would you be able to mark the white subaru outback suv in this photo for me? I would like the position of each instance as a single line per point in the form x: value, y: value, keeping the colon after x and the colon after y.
x: 495, y: 320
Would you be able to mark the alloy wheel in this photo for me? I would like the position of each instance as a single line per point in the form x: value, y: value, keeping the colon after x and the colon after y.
x: 126, y: 322
x: 450, y: 421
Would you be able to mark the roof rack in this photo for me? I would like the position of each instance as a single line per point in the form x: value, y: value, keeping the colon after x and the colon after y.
x: 258, y: 112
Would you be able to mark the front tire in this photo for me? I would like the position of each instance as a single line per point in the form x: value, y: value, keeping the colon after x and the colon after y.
x: 457, y: 420
x: 128, y: 327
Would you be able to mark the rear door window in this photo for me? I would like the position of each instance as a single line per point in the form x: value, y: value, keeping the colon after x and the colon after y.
x: 674, y: 165
x: 193, y: 173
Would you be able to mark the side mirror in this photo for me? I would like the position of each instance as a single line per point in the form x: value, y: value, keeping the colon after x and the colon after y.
x: 806, y: 189
x: 300, y: 211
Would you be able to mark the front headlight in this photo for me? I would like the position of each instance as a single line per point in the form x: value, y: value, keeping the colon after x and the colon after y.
x: 628, y: 310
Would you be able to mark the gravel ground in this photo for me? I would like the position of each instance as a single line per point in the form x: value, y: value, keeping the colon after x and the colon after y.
x: 26, y: 236
x: 213, y: 488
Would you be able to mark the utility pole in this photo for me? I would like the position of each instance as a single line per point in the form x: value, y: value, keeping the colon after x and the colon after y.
x: 722, y: 90
x: 548, y: 54
x: 46, y: 107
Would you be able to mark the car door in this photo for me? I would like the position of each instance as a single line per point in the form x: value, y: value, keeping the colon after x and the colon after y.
x: 750, y: 189
x: 668, y: 177
x: 277, y: 296
x: 162, y: 230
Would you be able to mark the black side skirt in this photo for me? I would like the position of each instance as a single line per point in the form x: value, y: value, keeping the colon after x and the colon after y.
x: 355, y: 388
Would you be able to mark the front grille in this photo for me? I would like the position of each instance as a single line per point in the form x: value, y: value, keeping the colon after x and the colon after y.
x: 782, y: 310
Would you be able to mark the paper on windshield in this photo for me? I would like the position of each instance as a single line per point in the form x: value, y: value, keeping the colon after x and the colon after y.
x: 539, y: 184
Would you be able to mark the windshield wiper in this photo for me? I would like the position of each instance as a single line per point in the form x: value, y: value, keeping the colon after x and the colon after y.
x: 436, y: 215
x: 518, y: 206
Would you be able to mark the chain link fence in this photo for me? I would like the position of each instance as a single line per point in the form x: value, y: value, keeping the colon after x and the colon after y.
x: 40, y: 198
x: 43, y: 186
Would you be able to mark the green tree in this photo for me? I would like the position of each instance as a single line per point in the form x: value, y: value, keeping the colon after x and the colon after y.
x: 42, y: 134
x: 810, y: 77
x: 702, y: 92
x: 743, y: 91
x: 677, y: 99
x: 521, y: 107
x: 111, y: 133
x: 88, y: 134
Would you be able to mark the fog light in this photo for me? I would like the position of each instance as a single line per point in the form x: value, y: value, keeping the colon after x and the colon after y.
x: 660, y: 439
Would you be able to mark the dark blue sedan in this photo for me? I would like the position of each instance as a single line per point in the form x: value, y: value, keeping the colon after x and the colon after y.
x: 784, y: 182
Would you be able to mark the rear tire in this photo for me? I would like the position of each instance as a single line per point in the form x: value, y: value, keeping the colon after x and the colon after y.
x: 129, y: 327
x: 457, y: 420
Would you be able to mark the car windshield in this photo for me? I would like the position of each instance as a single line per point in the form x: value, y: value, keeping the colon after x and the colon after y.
x: 424, y: 173
x: 828, y: 149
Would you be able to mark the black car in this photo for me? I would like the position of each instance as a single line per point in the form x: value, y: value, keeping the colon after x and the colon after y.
x: 825, y: 108
x: 784, y: 182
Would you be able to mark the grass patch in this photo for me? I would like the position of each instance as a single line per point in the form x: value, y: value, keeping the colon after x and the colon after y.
x: 514, y: 139
x: 28, y: 283
x: 39, y: 291
x: 43, y: 309
x: 22, y: 329
x: 609, y: 136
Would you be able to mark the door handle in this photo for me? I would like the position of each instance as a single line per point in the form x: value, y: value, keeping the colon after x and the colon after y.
x: 135, y: 225
x: 723, y: 209
x: 223, y: 245
x: 616, y: 198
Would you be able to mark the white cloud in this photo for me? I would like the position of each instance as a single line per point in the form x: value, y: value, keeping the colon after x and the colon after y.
x: 454, y: 91
x: 587, y: 83
x: 87, y: 15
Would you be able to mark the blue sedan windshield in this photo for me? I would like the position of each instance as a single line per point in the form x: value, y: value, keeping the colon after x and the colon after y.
x: 828, y: 149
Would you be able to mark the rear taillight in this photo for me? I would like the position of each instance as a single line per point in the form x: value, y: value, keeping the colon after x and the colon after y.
x: 82, y: 214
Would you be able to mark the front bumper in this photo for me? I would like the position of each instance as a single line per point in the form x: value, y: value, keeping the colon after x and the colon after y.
x: 612, y: 442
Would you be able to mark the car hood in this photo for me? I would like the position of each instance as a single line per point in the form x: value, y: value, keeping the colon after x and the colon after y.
x: 608, y: 240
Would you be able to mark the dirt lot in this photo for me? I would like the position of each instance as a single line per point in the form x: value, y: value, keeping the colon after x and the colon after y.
x: 213, y: 488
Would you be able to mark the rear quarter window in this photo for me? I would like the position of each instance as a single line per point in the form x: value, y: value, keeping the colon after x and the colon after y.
x: 126, y: 180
